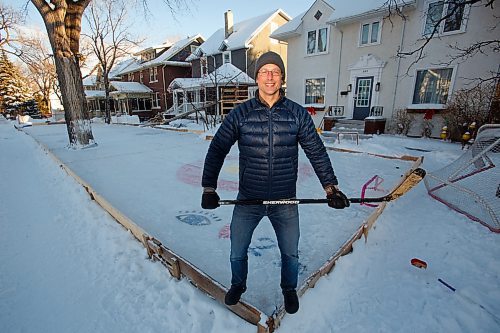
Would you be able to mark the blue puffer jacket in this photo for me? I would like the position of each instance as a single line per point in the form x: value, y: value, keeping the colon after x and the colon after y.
x: 268, y: 143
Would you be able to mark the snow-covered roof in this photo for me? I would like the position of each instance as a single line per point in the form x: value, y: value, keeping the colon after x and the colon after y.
x: 90, y: 80
x: 346, y: 10
x: 172, y: 51
x: 128, y: 65
x: 290, y: 28
x: 134, y: 64
x: 227, y: 73
x: 243, y: 33
x: 95, y: 93
x: 164, y: 45
x: 129, y: 87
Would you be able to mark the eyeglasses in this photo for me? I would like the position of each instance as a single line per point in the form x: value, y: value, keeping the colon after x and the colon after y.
x: 266, y: 72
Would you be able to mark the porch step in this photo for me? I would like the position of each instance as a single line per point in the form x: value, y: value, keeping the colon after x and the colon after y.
x: 349, y: 125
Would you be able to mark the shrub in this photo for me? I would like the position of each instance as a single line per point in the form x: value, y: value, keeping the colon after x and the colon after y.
x: 400, y: 122
x: 467, y: 106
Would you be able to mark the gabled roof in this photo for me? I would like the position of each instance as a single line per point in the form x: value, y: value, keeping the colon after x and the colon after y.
x: 289, y: 29
x: 292, y: 28
x: 225, y: 74
x: 133, y: 64
x: 129, y: 87
x: 165, y: 45
x: 242, y: 36
x: 344, y: 11
x: 173, y: 50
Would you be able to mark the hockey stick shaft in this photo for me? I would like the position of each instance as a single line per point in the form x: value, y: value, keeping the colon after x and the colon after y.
x: 413, y: 179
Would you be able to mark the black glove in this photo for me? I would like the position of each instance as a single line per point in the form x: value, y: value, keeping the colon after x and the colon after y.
x: 210, y: 199
x: 337, y: 200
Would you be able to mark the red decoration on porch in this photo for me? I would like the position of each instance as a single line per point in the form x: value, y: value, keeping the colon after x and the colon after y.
x: 311, y: 110
x: 428, y: 114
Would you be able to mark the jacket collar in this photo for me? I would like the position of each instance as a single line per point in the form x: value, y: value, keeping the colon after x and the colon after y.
x: 264, y: 103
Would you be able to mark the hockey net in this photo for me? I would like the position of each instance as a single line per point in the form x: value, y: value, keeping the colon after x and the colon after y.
x: 471, y: 184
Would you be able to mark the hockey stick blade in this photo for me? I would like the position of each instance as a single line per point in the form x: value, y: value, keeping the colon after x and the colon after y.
x: 407, y: 184
x: 410, y: 182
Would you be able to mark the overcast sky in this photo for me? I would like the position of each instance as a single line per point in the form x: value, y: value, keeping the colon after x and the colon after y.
x: 201, y: 16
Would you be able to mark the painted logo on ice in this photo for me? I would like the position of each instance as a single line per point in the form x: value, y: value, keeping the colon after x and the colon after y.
x: 197, y: 218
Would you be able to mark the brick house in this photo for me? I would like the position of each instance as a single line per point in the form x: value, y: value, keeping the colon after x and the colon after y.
x: 138, y: 86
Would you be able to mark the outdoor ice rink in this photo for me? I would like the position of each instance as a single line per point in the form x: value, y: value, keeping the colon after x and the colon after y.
x: 153, y: 176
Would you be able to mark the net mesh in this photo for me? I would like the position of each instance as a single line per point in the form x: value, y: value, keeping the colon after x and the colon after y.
x: 471, y: 184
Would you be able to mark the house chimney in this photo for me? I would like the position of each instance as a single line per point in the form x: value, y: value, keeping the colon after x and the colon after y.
x: 228, y: 23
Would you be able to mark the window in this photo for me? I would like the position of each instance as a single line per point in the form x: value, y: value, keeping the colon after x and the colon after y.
x: 317, y: 41
x: 131, y: 76
x: 153, y: 74
x: 443, y: 17
x: 203, y: 66
x: 318, y: 15
x: 226, y: 57
x: 370, y: 33
x: 432, y: 86
x: 315, y: 91
x: 141, y: 77
x: 156, y: 100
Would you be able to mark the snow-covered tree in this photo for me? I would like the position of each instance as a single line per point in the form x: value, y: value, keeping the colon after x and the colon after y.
x: 13, y: 89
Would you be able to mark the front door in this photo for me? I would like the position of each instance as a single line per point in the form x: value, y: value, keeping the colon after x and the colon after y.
x: 363, y: 97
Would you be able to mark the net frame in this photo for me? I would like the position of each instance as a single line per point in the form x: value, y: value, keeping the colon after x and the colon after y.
x: 471, y: 184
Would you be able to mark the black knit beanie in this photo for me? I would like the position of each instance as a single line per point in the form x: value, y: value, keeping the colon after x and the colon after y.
x: 270, y: 58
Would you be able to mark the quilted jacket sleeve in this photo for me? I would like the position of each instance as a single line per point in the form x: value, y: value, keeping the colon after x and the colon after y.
x: 315, y: 149
x: 224, y: 138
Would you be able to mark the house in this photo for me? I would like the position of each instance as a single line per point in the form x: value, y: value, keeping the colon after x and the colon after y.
x: 342, y: 57
x: 231, y: 52
x: 138, y: 86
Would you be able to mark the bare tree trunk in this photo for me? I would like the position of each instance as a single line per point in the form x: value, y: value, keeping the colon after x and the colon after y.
x: 106, y: 100
x: 63, y: 22
x: 74, y: 102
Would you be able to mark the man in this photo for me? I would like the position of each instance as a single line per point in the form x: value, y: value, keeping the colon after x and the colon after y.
x: 268, y: 129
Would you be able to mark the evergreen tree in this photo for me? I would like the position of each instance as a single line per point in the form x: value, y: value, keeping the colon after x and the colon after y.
x: 13, y: 90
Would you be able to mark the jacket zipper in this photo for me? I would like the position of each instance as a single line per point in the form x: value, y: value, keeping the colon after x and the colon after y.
x: 271, y: 152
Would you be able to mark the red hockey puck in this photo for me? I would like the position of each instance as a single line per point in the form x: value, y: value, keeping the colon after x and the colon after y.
x: 418, y: 263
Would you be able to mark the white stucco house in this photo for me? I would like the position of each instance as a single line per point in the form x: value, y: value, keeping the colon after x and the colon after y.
x: 342, y: 55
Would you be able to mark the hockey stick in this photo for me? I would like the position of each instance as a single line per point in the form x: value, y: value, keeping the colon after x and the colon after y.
x: 413, y: 179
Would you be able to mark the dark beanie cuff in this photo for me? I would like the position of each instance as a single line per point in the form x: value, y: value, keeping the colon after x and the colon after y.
x: 270, y: 58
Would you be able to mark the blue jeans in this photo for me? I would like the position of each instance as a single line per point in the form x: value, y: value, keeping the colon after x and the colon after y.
x: 285, y: 221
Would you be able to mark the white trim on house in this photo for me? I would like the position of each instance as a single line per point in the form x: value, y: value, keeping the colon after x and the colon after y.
x: 303, y: 99
x: 327, y: 46
x: 367, y: 65
x: 435, y: 106
x: 370, y: 23
x: 441, y: 32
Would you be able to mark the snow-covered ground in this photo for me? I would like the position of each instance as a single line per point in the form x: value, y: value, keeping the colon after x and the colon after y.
x: 66, y: 266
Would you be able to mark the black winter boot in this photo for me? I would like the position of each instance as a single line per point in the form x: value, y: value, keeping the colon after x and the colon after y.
x: 291, y: 301
x: 234, y: 294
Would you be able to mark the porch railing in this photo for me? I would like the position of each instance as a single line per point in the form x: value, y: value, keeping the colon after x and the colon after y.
x: 335, y: 111
x: 376, y: 111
